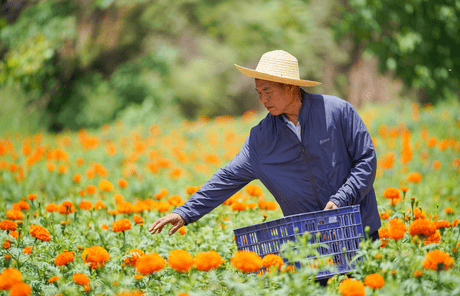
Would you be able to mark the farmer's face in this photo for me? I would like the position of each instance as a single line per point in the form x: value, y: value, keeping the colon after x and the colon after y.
x: 275, y: 96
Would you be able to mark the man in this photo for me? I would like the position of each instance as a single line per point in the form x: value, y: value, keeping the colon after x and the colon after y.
x: 312, y: 152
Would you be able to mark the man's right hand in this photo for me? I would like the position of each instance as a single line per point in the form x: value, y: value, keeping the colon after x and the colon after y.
x: 173, y: 218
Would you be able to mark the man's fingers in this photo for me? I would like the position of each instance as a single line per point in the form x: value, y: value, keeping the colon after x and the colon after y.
x: 158, y: 225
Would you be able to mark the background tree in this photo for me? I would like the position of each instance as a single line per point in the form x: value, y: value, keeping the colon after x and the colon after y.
x: 416, y: 39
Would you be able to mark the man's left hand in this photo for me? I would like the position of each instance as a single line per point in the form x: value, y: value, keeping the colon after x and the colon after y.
x: 330, y: 205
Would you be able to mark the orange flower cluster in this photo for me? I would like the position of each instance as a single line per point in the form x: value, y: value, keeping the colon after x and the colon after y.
x: 175, y: 200
x: 64, y: 258
x: 208, y: 260
x: 396, y: 229
x: 14, y: 214
x: 95, y: 256
x: 150, y: 263
x: 121, y: 225
x: 253, y: 190
x: 81, y: 279
x: 85, y: 205
x: 138, y: 219
x: 134, y: 256
x: 392, y: 193
x: 352, y: 287
x: 374, y: 281
x: 66, y: 207
x: 438, y: 260
x: 9, y: 277
x: 39, y: 232
x: 180, y: 260
x: 272, y: 260
x: 414, y: 177
x: 8, y: 225
x: 422, y: 227
x: 246, y: 261
x: 51, y: 208
x: 106, y: 186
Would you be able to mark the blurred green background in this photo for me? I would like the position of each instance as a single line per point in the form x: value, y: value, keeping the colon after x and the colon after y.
x: 73, y: 64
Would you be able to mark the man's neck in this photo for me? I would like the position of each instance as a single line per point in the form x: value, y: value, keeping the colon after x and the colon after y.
x: 292, y: 112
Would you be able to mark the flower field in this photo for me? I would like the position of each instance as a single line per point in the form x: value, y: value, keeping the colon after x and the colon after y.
x: 75, y: 209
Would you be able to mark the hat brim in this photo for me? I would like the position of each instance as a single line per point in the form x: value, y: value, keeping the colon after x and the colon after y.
x: 265, y: 76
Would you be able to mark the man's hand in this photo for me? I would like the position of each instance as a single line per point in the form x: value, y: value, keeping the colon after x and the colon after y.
x: 173, y: 218
x: 330, y: 205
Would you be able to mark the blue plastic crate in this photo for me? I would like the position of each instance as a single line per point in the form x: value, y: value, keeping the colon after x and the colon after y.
x: 339, y: 229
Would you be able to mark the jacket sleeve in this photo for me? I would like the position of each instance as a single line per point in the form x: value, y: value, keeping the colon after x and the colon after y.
x: 363, y: 160
x: 222, y: 185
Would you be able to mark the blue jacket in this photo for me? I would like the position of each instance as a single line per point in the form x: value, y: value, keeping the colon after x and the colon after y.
x: 335, y: 161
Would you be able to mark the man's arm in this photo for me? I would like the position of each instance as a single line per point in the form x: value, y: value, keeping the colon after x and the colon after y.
x: 222, y: 185
x: 364, y: 162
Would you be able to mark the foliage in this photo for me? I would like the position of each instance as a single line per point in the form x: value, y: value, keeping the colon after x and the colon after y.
x: 414, y: 40
x: 75, y: 60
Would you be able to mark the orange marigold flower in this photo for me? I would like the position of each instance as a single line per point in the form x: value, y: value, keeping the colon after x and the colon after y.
x: 422, y: 227
x: 106, y: 186
x: 271, y: 205
x: 448, y: 210
x: 404, y: 189
x: 455, y: 222
x: 138, y: 276
x: 138, y: 219
x: 253, y: 190
x: 32, y: 196
x: 238, y: 206
x: 208, y: 260
x: 134, y: 256
x: 180, y: 260
x: 396, y: 229
x: 122, y: 183
x: 125, y: 207
x: 438, y: 260
x: 64, y: 258
x: 442, y: 224
x: 384, y: 216
x: 14, y: 215
x: 77, y: 178
x: 175, y: 200
x: 105, y: 227
x: 246, y: 261
x: 8, y: 277
x: 66, y: 207
x: 383, y: 234
x: 99, y: 205
x: 163, y: 207
x: 418, y: 273
x: 192, y: 189
x: 182, y: 230
x: 52, y: 208
x: 433, y: 239
x: 53, y: 279
x: 20, y: 289
x: 27, y: 250
x: 392, y: 193
x: 374, y: 281
x: 95, y: 256
x: 121, y: 225
x: 23, y: 205
x: 150, y: 263
x: 39, y: 232
x: 270, y: 260
x: 414, y: 177
x: 163, y: 193
x: 351, y: 287
x: 91, y: 189
x: 15, y: 234
x: 85, y: 205
x: 80, y: 278
x: 8, y: 225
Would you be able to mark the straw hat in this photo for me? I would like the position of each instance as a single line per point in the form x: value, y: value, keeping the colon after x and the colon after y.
x: 279, y: 66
